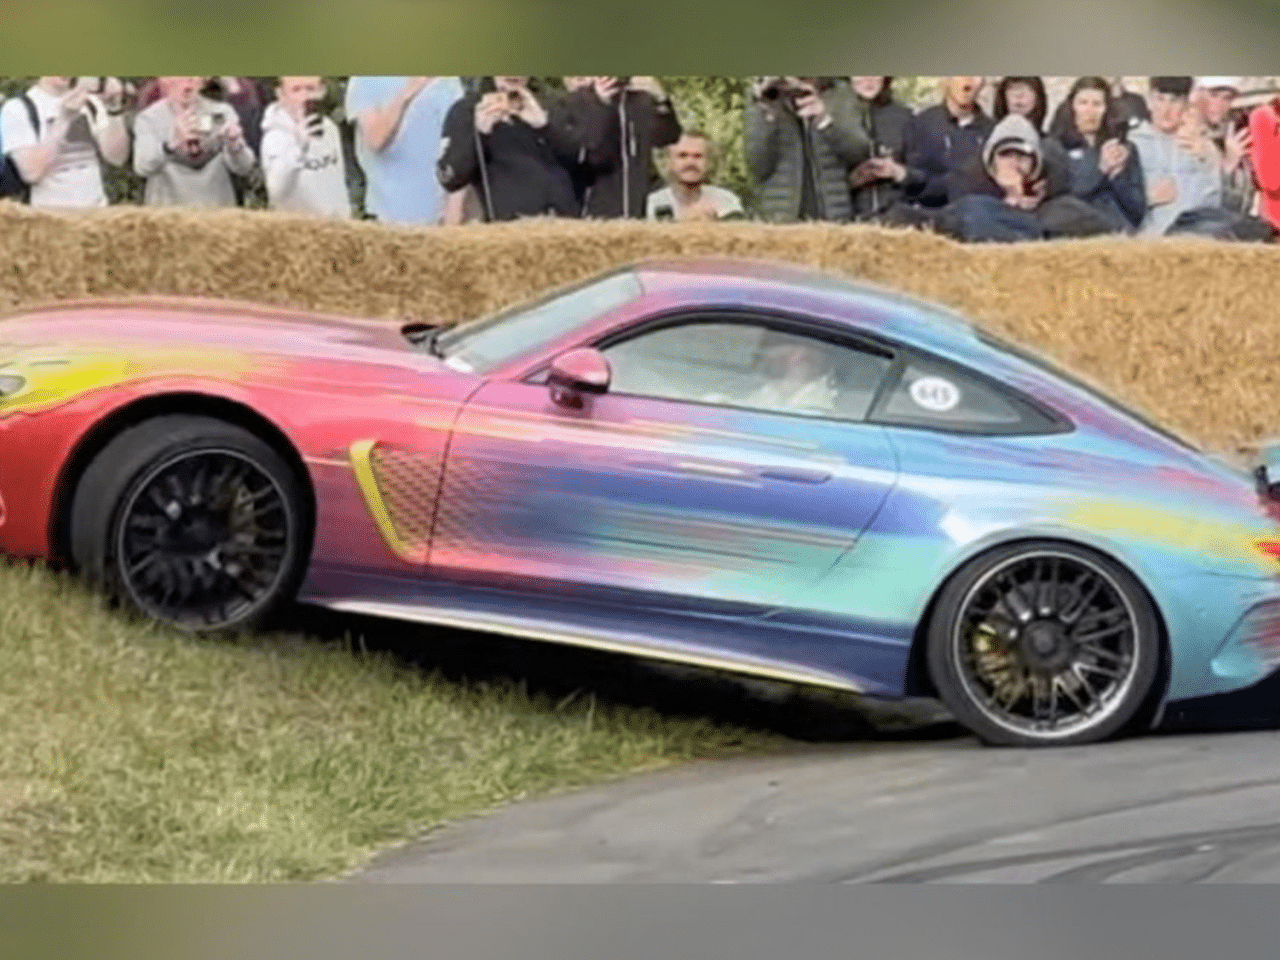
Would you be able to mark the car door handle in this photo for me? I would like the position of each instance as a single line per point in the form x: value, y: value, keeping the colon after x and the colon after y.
x: 796, y: 474
x: 729, y: 470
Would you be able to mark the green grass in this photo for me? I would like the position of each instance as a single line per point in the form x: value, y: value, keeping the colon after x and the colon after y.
x: 130, y: 753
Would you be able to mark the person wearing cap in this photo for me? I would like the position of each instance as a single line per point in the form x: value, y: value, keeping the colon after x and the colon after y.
x: 1181, y: 165
x: 1212, y: 102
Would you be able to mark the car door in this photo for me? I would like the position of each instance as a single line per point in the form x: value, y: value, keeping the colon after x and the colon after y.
x: 685, y: 484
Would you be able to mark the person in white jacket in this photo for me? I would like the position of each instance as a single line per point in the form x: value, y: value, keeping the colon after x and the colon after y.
x: 302, y: 159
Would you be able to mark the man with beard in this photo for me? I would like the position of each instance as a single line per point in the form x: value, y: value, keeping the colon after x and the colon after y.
x: 690, y: 196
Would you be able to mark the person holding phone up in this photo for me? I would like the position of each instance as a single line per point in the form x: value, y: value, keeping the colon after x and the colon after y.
x: 802, y: 138
x: 187, y: 146
x: 513, y: 144
x: 302, y: 160
x: 60, y: 134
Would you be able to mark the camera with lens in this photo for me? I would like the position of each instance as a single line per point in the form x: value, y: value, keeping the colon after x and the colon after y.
x: 214, y: 90
x: 791, y: 89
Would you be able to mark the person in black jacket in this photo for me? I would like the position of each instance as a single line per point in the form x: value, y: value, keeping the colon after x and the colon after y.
x: 1106, y: 171
x: 513, y: 147
x: 619, y: 122
x: 940, y: 144
x: 877, y: 180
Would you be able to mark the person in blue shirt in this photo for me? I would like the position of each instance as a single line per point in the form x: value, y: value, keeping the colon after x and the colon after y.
x: 399, y: 125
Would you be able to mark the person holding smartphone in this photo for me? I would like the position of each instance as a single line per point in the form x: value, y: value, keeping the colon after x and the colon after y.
x: 619, y: 122
x: 302, y: 159
x: 1212, y: 101
x: 60, y: 133
x: 187, y: 147
x: 513, y: 145
x: 876, y: 182
x: 802, y: 138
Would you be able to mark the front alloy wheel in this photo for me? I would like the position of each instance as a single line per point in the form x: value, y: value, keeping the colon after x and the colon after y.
x: 193, y: 521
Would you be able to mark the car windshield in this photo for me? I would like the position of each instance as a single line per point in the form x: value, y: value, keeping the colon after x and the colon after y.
x: 487, y: 343
x: 1074, y: 380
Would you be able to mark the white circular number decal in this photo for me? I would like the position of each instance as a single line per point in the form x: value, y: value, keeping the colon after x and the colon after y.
x: 934, y: 393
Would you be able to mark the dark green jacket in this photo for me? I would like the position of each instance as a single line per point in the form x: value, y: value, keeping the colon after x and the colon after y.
x: 774, y: 156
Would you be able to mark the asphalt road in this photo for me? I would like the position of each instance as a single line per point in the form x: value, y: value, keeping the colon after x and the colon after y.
x: 1191, y: 807
x: 1202, y: 807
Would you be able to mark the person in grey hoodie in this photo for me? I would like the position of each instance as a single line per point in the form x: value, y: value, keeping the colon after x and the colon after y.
x: 1000, y: 192
x: 1013, y: 193
x: 1181, y: 165
x: 302, y: 159
x: 186, y: 147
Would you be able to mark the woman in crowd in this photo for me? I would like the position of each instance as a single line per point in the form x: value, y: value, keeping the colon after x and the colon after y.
x: 1105, y: 170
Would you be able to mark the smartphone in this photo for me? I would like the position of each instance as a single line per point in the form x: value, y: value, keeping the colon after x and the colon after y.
x: 313, y: 117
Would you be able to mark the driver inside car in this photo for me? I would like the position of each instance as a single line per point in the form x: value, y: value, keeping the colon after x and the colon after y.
x: 799, y: 376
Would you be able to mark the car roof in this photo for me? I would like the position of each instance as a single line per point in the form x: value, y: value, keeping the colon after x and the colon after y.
x: 836, y: 296
x: 899, y: 316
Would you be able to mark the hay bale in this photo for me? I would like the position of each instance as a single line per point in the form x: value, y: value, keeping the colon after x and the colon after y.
x: 1182, y: 329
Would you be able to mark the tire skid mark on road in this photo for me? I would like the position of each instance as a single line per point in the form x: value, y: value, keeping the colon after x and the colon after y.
x: 958, y: 844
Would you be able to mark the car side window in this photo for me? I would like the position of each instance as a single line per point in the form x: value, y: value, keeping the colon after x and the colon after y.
x: 744, y: 364
x: 941, y: 396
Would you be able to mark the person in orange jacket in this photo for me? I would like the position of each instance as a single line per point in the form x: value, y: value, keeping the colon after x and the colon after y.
x: 1264, y: 126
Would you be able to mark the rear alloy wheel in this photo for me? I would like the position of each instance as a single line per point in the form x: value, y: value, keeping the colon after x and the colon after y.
x: 192, y: 521
x: 1044, y: 644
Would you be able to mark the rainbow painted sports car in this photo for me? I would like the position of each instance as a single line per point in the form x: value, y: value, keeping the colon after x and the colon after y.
x: 725, y: 463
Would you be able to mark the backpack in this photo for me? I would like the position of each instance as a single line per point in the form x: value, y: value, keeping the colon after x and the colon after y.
x: 12, y: 186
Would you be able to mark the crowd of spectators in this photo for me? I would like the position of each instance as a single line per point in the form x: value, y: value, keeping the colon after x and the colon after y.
x: 1185, y: 158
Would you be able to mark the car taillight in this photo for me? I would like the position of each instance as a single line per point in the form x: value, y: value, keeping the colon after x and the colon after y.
x: 1269, y: 547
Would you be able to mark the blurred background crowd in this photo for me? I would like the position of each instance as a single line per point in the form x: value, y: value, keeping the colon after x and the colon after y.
x: 975, y: 158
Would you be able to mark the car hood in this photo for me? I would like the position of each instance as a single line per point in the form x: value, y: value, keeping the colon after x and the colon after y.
x: 141, y: 324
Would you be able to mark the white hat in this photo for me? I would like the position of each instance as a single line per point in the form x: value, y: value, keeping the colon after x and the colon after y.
x: 1219, y: 83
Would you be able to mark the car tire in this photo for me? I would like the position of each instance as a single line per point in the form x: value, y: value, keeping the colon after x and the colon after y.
x: 233, y: 543
x: 1002, y: 655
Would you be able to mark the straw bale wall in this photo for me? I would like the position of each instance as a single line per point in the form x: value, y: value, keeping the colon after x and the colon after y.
x: 1186, y: 330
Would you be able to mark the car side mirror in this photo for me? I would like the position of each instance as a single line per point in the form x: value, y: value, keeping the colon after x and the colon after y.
x: 578, y: 372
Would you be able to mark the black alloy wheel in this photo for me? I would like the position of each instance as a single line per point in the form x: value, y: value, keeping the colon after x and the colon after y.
x: 193, y: 521
x: 1043, y: 644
